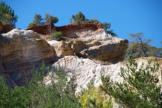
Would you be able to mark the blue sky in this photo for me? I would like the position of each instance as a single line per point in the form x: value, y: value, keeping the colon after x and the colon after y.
x: 125, y: 16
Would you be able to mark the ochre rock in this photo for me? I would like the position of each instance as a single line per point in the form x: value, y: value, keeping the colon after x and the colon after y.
x: 71, y: 28
x: 42, y: 29
x: 20, y: 52
x: 49, y: 28
x: 70, y: 47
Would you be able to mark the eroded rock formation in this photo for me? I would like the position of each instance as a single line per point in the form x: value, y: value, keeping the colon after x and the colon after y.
x: 20, y: 52
x: 70, y: 47
x: 42, y: 29
x: 92, y: 44
x: 67, y: 29
x: 72, y: 28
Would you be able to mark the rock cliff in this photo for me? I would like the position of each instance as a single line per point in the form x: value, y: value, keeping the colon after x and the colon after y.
x: 20, y: 52
x: 85, y: 52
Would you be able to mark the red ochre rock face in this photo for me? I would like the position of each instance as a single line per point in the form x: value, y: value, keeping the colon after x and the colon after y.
x: 47, y: 29
x: 19, y: 54
x: 42, y: 29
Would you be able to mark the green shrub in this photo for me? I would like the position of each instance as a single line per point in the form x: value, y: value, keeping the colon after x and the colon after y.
x: 7, y: 14
x: 94, y: 98
x: 13, y: 98
x: 37, y: 95
x: 56, y: 35
x: 38, y: 20
x: 139, y: 88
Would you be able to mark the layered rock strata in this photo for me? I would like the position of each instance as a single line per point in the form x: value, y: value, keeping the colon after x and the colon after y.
x: 96, y: 45
x: 20, y: 52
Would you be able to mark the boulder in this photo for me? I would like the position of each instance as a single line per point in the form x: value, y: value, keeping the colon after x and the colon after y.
x: 66, y: 48
x: 20, y: 52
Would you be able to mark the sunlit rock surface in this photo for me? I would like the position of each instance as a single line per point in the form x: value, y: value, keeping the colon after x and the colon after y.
x: 20, y: 52
x: 96, y: 45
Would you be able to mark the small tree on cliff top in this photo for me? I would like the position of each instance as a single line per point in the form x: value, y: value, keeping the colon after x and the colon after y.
x: 38, y: 20
x: 51, y: 19
x: 78, y: 18
x: 140, y: 47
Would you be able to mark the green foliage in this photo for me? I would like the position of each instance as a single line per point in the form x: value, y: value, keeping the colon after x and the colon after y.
x: 78, y: 18
x: 56, y: 35
x: 38, y: 20
x: 94, y: 98
x: 106, y: 27
x: 7, y: 14
x: 140, y: 47
x: 51, y: 19
x: 11, y: 98
x: 139, y: 88
x: 36, y: 94
x: 153, y: 51
x: 31, y: 24
x: 134, y: 50
x: 94, y: 21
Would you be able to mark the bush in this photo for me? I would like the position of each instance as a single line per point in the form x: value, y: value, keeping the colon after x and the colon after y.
x: 37, y: 95
x: 38, y: 20
x: 139, y: 88
x: 56, y: 35
x: 94, y: 98
x: 11, y: 98
x: 7, y: 14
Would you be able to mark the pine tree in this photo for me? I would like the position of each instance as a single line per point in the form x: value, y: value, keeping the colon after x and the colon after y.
x: 78, y: 18
x: 139, y: 88
x: 140, y: 47
x: 7, y: 14
x: 51, y: 19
